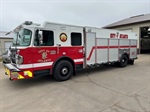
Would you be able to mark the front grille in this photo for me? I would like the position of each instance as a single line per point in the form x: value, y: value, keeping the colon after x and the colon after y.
x: 12, y: 56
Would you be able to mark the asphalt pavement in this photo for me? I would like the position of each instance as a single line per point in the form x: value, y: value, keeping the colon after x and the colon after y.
x: 103, y: 89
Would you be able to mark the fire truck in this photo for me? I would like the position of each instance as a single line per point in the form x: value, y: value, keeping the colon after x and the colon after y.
x: 60, y: 50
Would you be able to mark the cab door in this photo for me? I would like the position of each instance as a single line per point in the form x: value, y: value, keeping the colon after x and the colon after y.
x: 43, y: 53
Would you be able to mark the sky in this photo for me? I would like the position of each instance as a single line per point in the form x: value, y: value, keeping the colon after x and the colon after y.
x: 95, y: 13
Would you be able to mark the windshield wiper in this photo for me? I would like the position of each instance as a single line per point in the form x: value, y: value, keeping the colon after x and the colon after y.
x: 16, y: 44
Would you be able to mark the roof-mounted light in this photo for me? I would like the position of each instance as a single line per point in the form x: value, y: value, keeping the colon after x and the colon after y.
x: 28, y: 23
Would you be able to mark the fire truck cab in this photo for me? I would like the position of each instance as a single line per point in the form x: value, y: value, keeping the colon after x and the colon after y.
x: 61, y: 49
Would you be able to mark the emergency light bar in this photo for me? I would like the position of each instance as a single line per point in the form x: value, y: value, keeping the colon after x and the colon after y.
x: 27, y: 23
x: 30, y: 23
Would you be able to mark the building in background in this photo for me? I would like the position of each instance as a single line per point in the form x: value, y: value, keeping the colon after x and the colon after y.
x: 5, y: 41
x: 140, y: 25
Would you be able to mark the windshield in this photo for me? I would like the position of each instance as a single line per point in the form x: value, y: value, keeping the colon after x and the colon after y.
x: 22, y: 38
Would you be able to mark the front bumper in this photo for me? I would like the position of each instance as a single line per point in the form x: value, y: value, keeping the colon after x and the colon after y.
x: 14, y: 73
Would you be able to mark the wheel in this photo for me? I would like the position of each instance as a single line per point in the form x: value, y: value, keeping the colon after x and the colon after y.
x: 123, y: 61
x: 10, y: 79
x: 63, y: 70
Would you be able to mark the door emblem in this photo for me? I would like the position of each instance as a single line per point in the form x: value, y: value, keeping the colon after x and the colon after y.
x: 44, y: 55
x: 63, y: 37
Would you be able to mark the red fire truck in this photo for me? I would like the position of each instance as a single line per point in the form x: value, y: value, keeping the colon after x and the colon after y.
x: 61, y: 49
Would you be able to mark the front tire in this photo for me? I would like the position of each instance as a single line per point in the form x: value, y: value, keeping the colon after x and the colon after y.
x: 123, y: 61
x: 63, y: 70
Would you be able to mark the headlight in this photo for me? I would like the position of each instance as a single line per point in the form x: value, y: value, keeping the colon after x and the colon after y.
x: 19, y: 59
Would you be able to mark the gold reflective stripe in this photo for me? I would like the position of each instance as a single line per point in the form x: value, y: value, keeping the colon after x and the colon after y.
x: 20, y: 76
x: 29, y: 73
x: 7, y: 71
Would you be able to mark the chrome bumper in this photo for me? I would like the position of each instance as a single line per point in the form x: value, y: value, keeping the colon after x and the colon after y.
x: 11, y: 67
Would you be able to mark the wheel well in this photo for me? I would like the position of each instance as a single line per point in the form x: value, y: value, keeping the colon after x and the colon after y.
x: 63, y: 58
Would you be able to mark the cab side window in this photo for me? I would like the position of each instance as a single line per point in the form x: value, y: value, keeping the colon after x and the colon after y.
x: 76, y: 39
x: 47, y: 36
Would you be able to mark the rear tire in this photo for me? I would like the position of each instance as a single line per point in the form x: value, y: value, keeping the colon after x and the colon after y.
x: 131, y: 62
x: 63, y: 70
x: 123, y: 61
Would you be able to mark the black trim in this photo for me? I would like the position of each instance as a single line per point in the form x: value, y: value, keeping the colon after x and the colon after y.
x: 41, y: 72
x: 79, y: 66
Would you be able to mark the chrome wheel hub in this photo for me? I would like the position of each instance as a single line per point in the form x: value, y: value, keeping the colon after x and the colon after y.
x: 64, y: 71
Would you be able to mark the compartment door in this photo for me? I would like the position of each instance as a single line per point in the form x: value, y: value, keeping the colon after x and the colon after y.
x: 90, y: 48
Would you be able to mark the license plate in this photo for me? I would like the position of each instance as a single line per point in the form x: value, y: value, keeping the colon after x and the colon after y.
x: 7, y: 71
